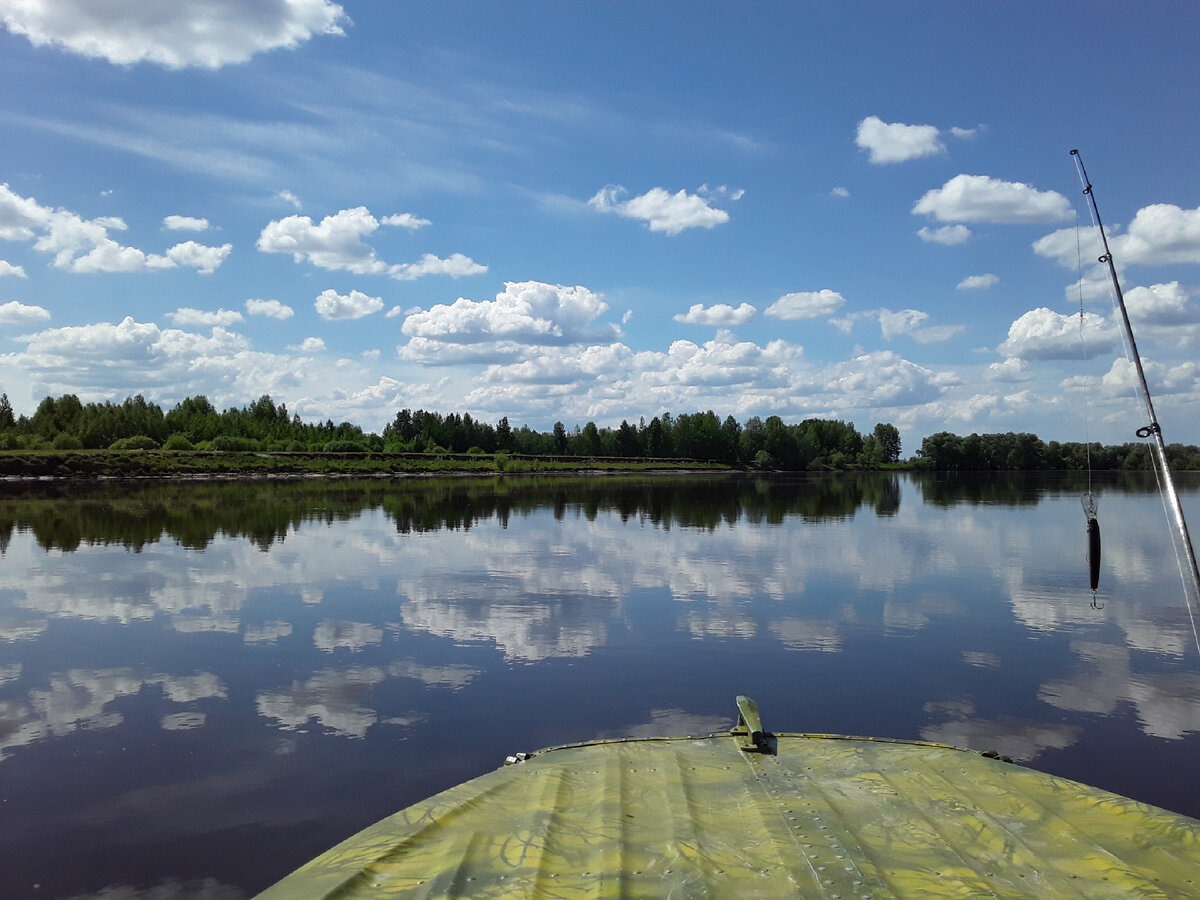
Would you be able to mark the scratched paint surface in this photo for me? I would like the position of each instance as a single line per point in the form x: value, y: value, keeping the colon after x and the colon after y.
x: 819, y: 817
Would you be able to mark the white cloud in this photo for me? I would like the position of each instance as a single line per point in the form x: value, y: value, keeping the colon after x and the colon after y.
x: 7, y: 268
x: 188, y: 316
x: 806, y: 305
x: 1066, y: 245
x: 289, y: 198
x: 309, y: 345
x: 1161, y: 304
x: 185, y: 223
x: 272, y: 309
x: 336, y: 244
x: 14, y: 313
x: 203, y: 259
x: 720, y: 314
x: 661, y: 210
x: 950, y: 235
x: 405, y: 220
x: 204, y: 33
x: 899, y: 323
x: 81, y: 245
x: 978, y: 282
x: 895, y: 142
x: 332, y: 305
x: 839, y: 192
x: 530, y: 312
x: 910, y: 323
x: 1043, y: 334
x: 980, y: 198
x: 104, y: 360
x: 1161, y: 234
x: 456, y: 266
x: 1013, y: 369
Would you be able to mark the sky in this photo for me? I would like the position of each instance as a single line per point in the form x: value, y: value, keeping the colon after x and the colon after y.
x: 594, y: 212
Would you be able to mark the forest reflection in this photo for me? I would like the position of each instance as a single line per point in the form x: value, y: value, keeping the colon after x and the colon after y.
x: 65, y: 515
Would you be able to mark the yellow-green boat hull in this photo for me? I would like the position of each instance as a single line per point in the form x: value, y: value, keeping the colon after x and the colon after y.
x: 816, y: 815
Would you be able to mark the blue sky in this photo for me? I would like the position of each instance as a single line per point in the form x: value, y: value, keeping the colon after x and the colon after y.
x: 562, y: 211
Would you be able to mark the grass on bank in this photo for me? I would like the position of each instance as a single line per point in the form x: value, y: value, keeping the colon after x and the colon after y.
x: 133, y: 463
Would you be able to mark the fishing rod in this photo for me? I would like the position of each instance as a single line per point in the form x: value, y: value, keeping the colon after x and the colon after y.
x: 1152, y: 429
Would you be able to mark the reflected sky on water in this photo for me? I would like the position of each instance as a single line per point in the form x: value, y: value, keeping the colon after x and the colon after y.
x: 203, y: 685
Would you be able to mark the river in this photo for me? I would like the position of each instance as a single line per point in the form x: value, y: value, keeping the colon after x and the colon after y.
x: 202, y: 685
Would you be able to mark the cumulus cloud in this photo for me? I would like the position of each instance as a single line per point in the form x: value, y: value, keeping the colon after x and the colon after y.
x: 899, y: 323
x: 1161, y: 234
x: 1042, y: 334
x: 7, y: 268
x: 185, y: 223
x: 332, y: 305
x: 132, y: 357
x: 529, y: 312
x: 806, y: 305
x: 720, y: 314
x: 978, y: 282
x: 204, y: 260
x: 456, y: 266
x: 84, y: 245
x: 309, y: 345
x: 980, y: 198
x: 202, y: 33
x: 894, y: 142
x: 188, y: 316
x: 1013, y: 369
x: 1161, y: 304
x: 661, y: 210
x: 949, y: 235
x: 337, y: 244
x: 911, y: 323
x: 14, y: 313
x: 272, y: 309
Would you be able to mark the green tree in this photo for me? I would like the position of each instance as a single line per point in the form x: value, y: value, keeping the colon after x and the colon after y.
x: 888, y: 436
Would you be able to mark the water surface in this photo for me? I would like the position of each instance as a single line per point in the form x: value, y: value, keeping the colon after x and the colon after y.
x: 203, y: 685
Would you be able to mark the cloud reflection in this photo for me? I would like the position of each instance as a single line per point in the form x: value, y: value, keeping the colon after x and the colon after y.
x: 80, y: 700
x: 1167, y: 704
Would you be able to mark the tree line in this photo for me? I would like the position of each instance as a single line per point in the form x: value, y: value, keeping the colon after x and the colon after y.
x: 946, y: 451
x: 65, y: 423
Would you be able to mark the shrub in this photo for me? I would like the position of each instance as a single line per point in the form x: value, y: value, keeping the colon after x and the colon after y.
x: 501, y: 461
x: 294, y: 447
x: 231, y: 443
x: 67, y: 442
x: 344, y: 447
x: 137, y: 442
x: 178, y: 441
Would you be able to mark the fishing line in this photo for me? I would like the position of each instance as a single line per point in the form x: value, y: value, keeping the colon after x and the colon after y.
x: 1181, y: 544
x: 1090, y: 504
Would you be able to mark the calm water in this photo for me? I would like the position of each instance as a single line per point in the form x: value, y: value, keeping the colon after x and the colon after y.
x: 204, y: 685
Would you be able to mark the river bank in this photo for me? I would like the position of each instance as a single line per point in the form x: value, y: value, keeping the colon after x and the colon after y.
x: 94, y: 464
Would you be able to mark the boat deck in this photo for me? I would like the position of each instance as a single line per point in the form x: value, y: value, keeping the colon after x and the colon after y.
x: 780, y: 815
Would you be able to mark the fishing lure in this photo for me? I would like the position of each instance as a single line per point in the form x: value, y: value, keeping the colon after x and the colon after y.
x: 1090, y: 510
